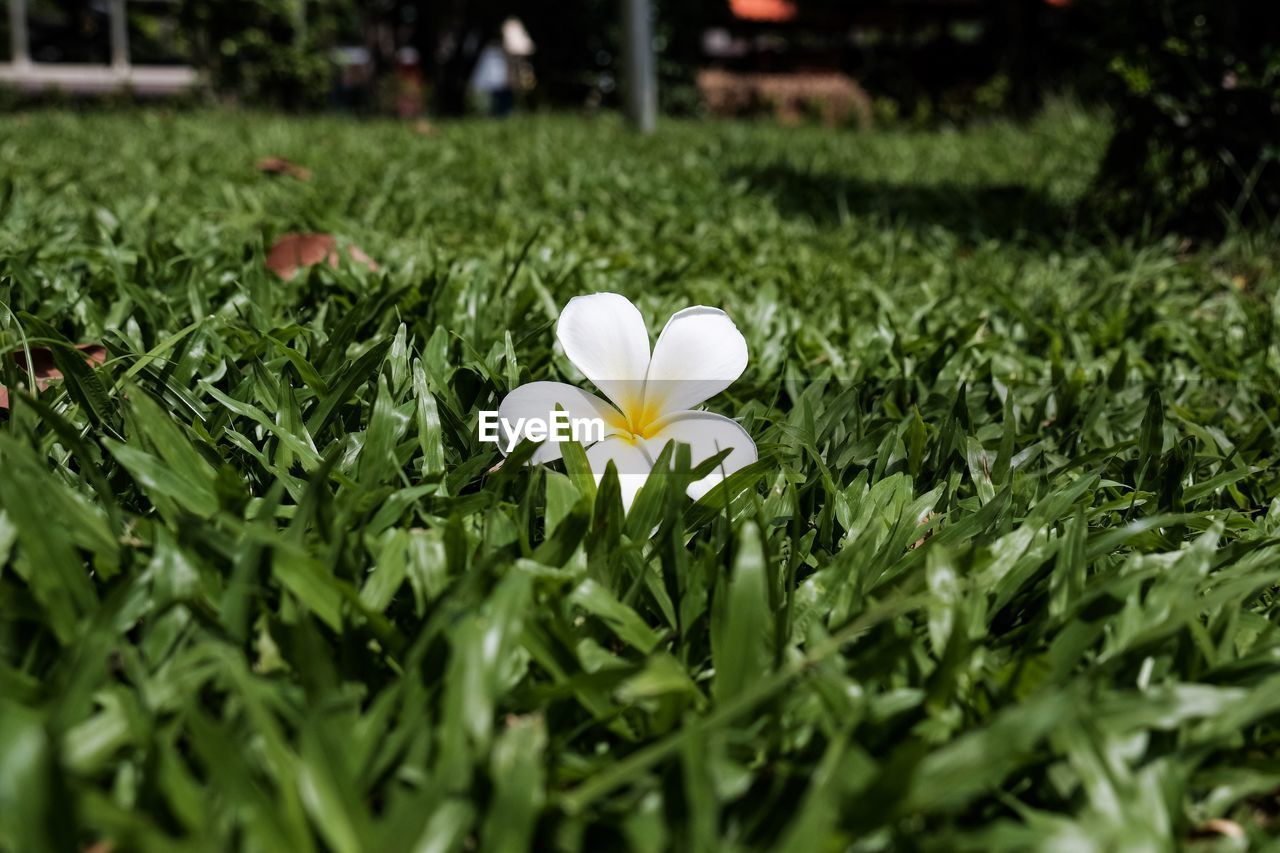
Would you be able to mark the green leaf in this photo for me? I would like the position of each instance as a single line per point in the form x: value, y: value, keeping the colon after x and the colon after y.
x: 741, y: 622
x: 622, y: 620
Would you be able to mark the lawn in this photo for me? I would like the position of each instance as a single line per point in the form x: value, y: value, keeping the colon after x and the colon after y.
x: 1004, y: 576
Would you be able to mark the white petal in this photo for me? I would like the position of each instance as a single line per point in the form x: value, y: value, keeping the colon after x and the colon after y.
x: 630, y: 457
x: 707, y: 434
x: 604, y: 336
x: 699, y: 354
x: 538, y: 400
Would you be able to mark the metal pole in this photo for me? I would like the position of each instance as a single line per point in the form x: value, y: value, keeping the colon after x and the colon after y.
x: 119, y: 35
x: 18, y: 51
x: 639, y: 81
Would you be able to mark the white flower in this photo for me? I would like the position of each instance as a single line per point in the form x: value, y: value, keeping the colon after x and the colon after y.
x: 699, y: 353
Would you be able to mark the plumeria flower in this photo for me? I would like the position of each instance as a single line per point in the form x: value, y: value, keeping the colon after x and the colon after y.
x: 699, y: 354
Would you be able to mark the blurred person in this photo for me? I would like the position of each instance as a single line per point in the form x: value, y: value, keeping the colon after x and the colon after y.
x: 354, y: 78
x: 410, y: 89
x: 503, y: 68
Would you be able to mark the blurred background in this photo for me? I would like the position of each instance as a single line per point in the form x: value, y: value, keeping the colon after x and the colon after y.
x: 1193, y: 85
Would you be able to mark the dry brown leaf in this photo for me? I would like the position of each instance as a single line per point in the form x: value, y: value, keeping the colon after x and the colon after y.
x: 292, y: 252
x: 358, y: 255
x: 924, y: 519
x: 423, y: 127
x: 281, y: 166
x: 1222, y: 826
x: 43, y: 366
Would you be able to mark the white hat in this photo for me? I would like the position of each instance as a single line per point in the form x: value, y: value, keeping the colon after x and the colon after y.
x: 515, y: 40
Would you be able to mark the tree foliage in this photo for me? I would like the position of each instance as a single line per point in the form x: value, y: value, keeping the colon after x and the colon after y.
x: 1195, y: 87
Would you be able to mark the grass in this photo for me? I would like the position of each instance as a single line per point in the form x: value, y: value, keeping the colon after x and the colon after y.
x: 1005, y: 578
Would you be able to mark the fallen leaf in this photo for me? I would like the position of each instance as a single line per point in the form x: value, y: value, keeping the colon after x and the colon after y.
x: 924, y: 519
x: 42, y: 365
x: 1222, y: 826
x: 424, y: 127
x: 291, y: 252
x: 358, y: 255
x: 281, y: 166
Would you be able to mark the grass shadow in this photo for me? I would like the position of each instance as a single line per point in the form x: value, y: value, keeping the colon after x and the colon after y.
x: 1003, y: 211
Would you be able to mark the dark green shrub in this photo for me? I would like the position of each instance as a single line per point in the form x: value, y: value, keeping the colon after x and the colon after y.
x: 1195, y: 86
x: 269, y: 51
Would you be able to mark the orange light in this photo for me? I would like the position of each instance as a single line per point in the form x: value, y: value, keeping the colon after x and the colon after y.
x: 763, y: 10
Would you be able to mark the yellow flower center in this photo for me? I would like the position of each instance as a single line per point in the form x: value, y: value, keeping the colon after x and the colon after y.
x: 638, y: 419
